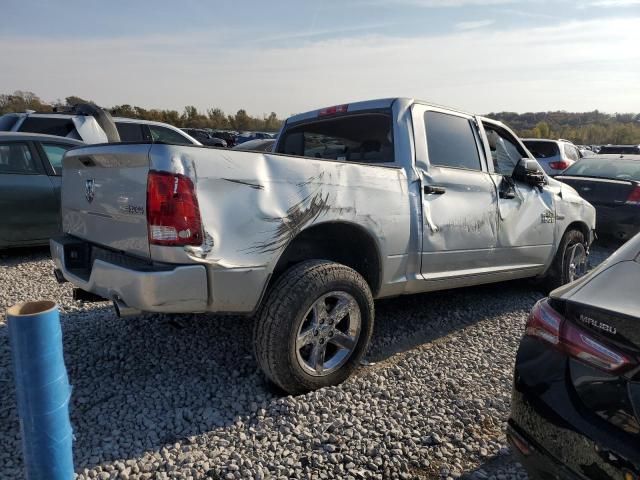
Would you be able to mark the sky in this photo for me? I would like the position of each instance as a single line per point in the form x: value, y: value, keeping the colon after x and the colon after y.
x: 290, y: 56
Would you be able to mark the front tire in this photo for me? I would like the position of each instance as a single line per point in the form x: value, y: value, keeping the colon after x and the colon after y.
x: 570, y: 262
x: 314, y: 326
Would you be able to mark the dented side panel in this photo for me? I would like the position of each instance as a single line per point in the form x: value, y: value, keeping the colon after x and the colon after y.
x: 253, y: 205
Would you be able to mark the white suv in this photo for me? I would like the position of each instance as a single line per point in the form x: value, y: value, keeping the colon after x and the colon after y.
x: 88, y: 129
x: 554, y: 156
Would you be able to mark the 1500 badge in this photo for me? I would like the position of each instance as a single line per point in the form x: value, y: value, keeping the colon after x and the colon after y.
x: 132, y: 209
x: 548, y: 217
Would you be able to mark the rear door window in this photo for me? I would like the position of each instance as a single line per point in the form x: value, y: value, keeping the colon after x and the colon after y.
x: 362, y: 138
x: 60, y: 127
x: 451, y: 141
x: 16, y: 158
x: 166, y: 135
x: 54, y: 153
x: 130, y: 132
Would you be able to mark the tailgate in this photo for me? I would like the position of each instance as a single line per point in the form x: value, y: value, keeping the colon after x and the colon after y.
x: 104, y: 196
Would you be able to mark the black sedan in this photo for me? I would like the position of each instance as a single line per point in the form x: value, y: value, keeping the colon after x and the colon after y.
x: 611, y: 183
x: 575, y: 411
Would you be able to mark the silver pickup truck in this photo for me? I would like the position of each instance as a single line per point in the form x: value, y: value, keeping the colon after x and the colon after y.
x: 358, y: 202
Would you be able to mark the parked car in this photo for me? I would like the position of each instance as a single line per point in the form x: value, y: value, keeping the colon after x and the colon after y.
x: 611, y: 183
x: 248, y: 136
x: 619, y: 149
x: 229, y: 137
x: 88, y: 123
x: 205, y: 137
x: 575, y: 409
x: 30, y: 168
x: 554, y: 156
x: 257, y: 145
x: 361, y: 201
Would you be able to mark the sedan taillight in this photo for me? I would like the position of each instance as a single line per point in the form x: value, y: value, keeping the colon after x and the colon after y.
x: 173, y: 215
x: 548, y: 325
x: 634, y: 196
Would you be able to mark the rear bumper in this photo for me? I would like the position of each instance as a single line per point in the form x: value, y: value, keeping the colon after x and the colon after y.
x: 622, y: 222
x: 165, y: 288
x: 562, y: 439
x: 538, y: 462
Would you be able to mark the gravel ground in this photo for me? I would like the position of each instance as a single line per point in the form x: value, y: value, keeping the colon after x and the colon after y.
x: 181, y: 397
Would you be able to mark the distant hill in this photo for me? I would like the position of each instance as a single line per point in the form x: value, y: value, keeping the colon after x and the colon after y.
x: 586, y: 128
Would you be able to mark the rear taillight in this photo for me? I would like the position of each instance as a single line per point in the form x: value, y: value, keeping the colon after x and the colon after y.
x: 548, y: 325
x: 561, y: 165
x: 634, y: 196
x: 173, y: 215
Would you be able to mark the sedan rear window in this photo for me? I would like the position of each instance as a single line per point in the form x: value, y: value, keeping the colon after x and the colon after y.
x: 542, y: 149
x: 363, y: 138
x: 617, y: 169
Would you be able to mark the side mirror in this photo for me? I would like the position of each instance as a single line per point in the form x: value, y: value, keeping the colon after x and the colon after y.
x: 528, y: 171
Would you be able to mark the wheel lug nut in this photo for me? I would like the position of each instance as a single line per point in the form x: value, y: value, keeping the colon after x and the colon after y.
x: 321, y: 341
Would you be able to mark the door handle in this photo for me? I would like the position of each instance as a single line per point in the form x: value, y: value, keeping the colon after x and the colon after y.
x: 432, y: 190
x: 508, y: 194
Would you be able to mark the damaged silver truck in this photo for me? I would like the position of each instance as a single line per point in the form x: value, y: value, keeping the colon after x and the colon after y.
x: 358, y: 202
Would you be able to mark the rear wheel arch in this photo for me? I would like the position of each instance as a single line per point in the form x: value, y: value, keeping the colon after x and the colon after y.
x: 346, y: 243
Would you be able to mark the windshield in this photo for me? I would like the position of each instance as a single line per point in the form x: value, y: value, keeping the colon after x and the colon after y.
x: 362, y: 137
x: 542, y: 149
x: 618, y: 169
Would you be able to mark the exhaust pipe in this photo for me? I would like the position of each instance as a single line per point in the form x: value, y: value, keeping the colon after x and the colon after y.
x: 123, y: 310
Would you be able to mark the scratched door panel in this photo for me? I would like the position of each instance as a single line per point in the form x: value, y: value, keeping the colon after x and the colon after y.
x: 526, y: 228
x: 460, y: 225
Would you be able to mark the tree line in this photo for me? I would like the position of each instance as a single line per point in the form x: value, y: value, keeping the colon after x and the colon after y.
x: 588, y: 128
x: 190, y: 117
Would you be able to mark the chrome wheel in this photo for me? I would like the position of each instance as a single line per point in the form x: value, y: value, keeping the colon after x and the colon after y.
x: 328, y: 334
x: 576, y: 262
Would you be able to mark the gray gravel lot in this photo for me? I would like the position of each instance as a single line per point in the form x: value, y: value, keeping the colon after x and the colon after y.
x: 181, y: 397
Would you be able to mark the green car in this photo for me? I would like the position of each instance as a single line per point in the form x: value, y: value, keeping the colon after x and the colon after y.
x: 30, y: 177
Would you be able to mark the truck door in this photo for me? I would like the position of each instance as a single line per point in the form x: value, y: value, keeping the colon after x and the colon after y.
x: 459, y: 198
x: 527, y: 214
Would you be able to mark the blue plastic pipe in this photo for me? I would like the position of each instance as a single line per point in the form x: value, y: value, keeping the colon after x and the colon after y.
x: 43, y: 390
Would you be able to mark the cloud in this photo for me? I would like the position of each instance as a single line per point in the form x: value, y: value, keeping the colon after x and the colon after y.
x: 578, y: 65
x: 474, y: 25
x: 443, y: 3
x: 613, y: 3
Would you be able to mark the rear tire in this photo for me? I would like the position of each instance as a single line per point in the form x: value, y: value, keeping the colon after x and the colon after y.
x: 570, y: 262
x: 314, y: 326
